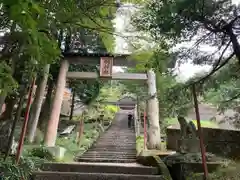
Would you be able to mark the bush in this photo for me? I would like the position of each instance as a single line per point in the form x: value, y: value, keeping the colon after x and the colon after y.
x: 23, y: 170
x: 42, y: 153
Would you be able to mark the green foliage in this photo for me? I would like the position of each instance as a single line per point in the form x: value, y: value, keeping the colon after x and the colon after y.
x: 174, y: 98
x: 175, y: 18
x: 38, y: 29
x: 204, y: 122
x: 139, y: 144
x: 111, y: 108
x: 206, y: 22
x: 222, y: 89
x: 86, y: 90
x: 41, y: 153
x: 162, y: 168
x: 7, y: 83
x: 228, y: 170
x: 71, y: 145
x: 11, y: 171
x: 97, y: 109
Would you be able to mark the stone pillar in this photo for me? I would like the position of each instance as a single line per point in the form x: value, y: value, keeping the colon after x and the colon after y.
x: 136, y: 120
x: 154, y: 138
x: 51, y: 133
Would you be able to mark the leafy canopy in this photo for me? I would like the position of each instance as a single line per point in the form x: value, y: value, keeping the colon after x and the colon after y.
x: 206, y: 22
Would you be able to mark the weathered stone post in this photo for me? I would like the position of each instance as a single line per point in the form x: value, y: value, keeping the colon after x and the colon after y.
x: 51, y: 132
x: 154, y: 138
x: 136, y: 120
x: 138, y: 116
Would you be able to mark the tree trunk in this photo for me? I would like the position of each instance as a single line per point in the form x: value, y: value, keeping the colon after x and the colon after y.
x: 154, y: 140
x: 51, y: 132
x: 16, y: 119
x: 2, y: 102
x: 37, y: 105
x: 235, y: 44
x: 3, y: 95
x: 72, y: 105
x: 10, y: 103
x: 45, y: 111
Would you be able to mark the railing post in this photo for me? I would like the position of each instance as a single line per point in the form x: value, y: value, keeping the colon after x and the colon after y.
x: 204, y: 163
x: 24, y: 127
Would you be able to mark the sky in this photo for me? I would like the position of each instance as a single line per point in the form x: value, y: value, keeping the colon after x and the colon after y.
x: 184, y: 71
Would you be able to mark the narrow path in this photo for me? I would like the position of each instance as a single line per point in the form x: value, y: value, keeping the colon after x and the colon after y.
x: 118, y: 144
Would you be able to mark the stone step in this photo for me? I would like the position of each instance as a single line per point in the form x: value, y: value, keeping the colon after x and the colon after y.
x: 113, y: 160
x: 110, y: 142
x: 114, y: 140
x: 99, y: 168
x: 91, y: 176
x: 119, y: 144
x: 110, y: 153
x: 113, y: 148
x: 122, y: 138
x: 108, y: 156
x: 130, y: 149
x: 107, y: 152
x: 114, y: 145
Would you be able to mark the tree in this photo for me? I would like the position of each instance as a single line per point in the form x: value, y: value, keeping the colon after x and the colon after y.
x: 83, y: 29
x: 37, y: 104
x: 37, y: 31
x: 210, y: 22
x: 26, y: 42
x: 222, y: 89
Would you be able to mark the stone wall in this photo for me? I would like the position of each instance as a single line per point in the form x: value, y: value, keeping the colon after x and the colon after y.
x: 218, y: 141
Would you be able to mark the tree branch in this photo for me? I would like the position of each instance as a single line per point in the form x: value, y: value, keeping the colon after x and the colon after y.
x: 213, y: 70
x: 231, y: 99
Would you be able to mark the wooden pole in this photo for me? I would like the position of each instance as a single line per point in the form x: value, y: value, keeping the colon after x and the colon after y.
x: 24, y: 127
x: 200, y: 134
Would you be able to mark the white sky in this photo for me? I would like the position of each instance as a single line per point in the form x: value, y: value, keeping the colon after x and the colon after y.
x: 184, y: 71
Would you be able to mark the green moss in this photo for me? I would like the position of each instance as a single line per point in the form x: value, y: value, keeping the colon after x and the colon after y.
x: 139, y: 143
x: 204, y: 123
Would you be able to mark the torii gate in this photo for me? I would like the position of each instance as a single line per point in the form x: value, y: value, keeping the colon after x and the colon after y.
x: 106, y: 62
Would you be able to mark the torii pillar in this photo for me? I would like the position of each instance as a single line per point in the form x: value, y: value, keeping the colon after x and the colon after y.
x: 154, y: 136
x: 51, y: 132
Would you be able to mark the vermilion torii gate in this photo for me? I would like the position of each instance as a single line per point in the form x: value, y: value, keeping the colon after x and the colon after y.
x: 106, y: 63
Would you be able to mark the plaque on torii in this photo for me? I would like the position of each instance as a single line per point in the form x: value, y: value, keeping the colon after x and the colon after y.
x: 106, y: 64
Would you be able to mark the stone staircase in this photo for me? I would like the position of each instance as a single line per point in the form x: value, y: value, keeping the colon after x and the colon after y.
x: 117, y: 145
x: 112, y: 157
